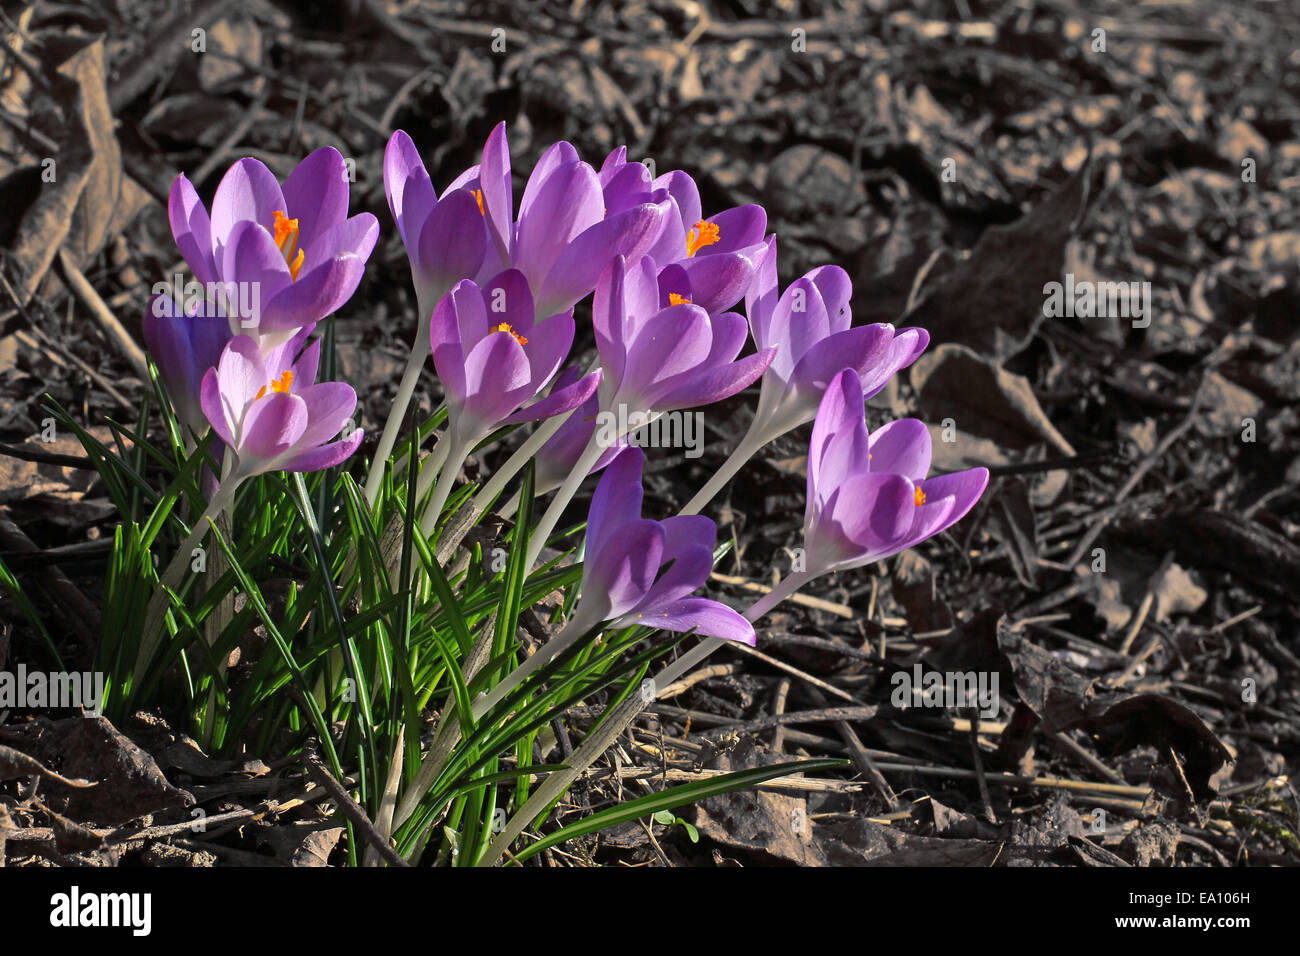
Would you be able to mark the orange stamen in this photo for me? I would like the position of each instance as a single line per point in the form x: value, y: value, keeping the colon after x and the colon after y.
x: 286, y: 237
x: 703, y: 233
x: 505, y: 327
x: 478, y: 197
x: 675, y: 299
x: 280, y: 384
x: 920, y: 497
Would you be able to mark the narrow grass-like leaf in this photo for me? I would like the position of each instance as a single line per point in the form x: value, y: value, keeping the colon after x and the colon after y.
x: 675, y: 797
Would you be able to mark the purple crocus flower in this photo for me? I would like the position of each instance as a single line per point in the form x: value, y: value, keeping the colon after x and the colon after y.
x: 655, y: 359
x: 868, y: 495
x: 564, y: 233
x: 809, y: 327
x: 708, y: 262
x: 277, y: 258
x: 273, y: 413
x: 446, y: 239
x: 493, y: 357
x: 636, y: 573
x: 185, y: 344
x: 640, y: 572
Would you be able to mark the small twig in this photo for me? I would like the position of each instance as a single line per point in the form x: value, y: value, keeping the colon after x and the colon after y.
x: 1072, y: 748
x: 862, y: 758
x: 1138, y: 474
x: 778, y: 708
x: 350, y: 808
x: 842, y: 610
x: 80, y: 287
x: 802, y: 675
x: 822, y: 715
x: 214, y: 159
x: 1129, y: 671
x: 695, y: 677
x: 977, y: 759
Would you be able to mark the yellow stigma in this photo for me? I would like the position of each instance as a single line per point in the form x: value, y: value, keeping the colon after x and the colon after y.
x: 702, y: 234
x: 286, y: 237
x: 920, y: 497
x: 505, y: 327
x: 280, y: 384
x: 478, y: 197
x: 675, y: 299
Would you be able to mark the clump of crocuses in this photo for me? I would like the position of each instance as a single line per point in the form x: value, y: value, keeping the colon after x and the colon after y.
x: 495, y: 288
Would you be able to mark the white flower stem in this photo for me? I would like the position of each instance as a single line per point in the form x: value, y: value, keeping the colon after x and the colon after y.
x: 749, y: 445
x: 586, y: 461
x: 573, y: 630
x: 507, y: 510
x: 431, y: 467
x: 447, y: 470
x: 410, y: 377
x: 516, y: 462
x: 172, y: 576
x: 790, y: 584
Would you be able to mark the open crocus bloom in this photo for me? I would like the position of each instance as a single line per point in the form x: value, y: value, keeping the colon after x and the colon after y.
x: 640, y: 572
x: 564, y: 235
x: 492, y: 357
x: 707, y: 262
x: 868, y: 496
x: 271, y: 411
x: 446, y: 238
x: 290, y: 252
x: 655, y: 359
x: 809, y: 327
x: 185, y: 344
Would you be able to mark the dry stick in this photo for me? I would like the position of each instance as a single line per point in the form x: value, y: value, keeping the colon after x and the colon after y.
x: 1073, y: 749
x: 802, y: 675
x: 1138, y: 474
x: 862, y: 759
x: 821, y: 715
x: 81, y: 288
x: 793, y: 783
x: 57, y: 352
x: 1236, y: 619
x: 778, y: 708
x: 1129, y: 671
x: 309, y: 794
x: 1147, y: 601
x: 978, y: 762
x: 350, y: 808
x: 690, y: 680
x: 237, y: 132
x: 819, y: 604
x: 162, y: 50
x: 57, y: 348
